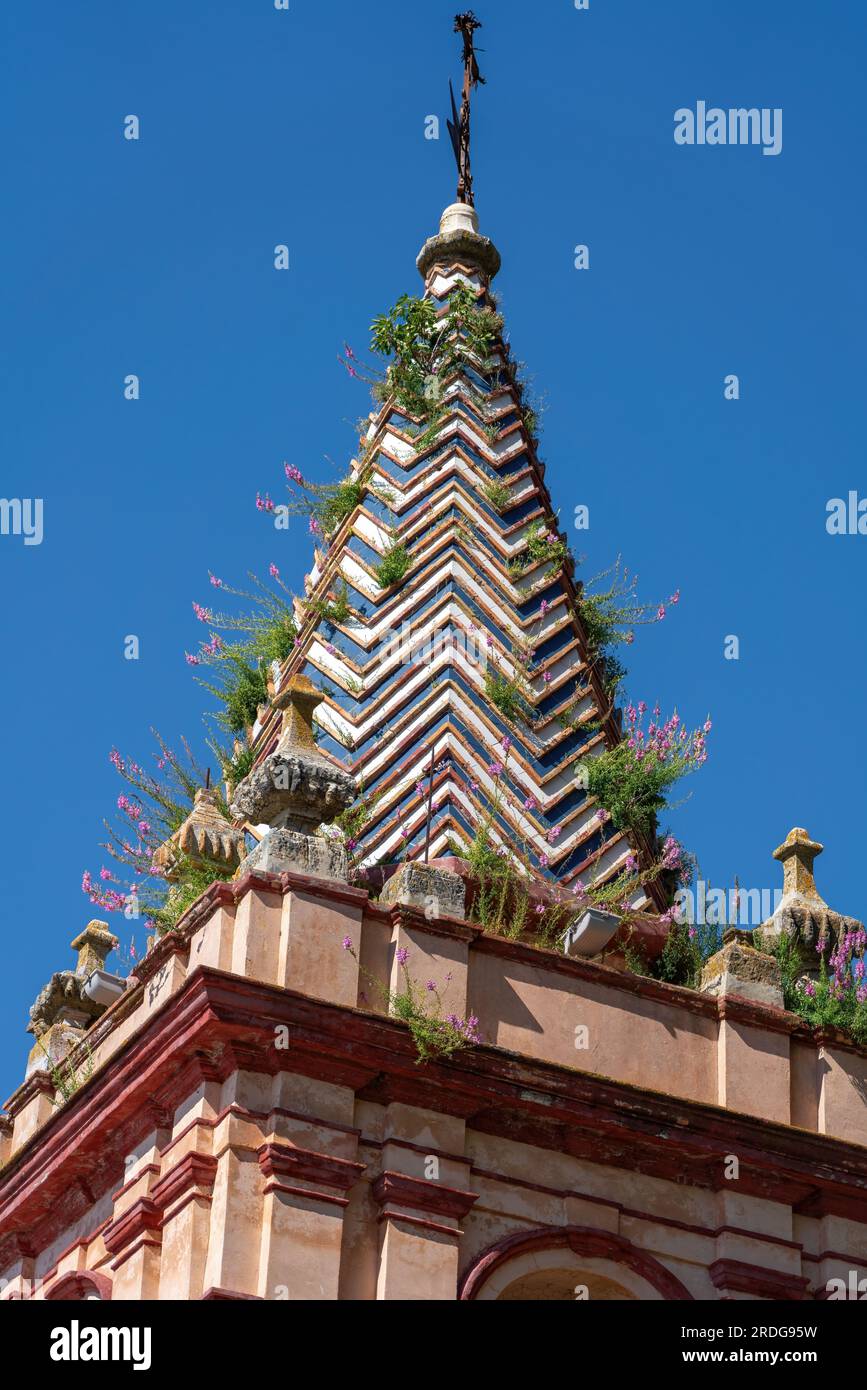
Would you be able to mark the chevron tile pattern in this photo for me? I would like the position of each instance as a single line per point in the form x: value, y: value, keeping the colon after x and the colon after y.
x: 405, y: 674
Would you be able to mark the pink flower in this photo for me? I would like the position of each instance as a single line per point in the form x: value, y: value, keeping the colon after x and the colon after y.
x: 660, y: 612
x: 190, y: 659
x: 313, y: 527
x: 402, y: 955
x: 675, y: 598
x: 530, y: 803
x: 543, y: 860
x: 202, y: 613
x: 505, y: 743
x: 547, y: 678
x: 495, y: 769
x: 293, y: 473
x: 217, y: 583
x: 273, y: 571
x: 346, y: 943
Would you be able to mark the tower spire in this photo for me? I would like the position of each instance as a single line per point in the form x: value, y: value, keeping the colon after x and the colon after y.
x: 459, y: 126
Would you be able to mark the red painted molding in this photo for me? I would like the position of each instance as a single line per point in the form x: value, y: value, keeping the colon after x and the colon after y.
x: 194, y: 1174
x: 736, y: 1276
x: 77, y: 1285
x: 420, y: 1194
x: 278, y: 1160
x: 143, y: 1218
x: 582, y: 1241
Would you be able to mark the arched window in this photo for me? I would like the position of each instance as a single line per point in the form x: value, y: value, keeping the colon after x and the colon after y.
x: 568, y: 1264
x: 79, y: 1287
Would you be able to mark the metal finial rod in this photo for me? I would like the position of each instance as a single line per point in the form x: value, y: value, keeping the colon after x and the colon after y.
x: 459, y: 126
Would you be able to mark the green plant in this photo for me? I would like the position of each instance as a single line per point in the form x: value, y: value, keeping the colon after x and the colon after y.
x: 152, y: 809
x: 497, y: 494
x: 65, y: 1078
x: 326, y: 505
x: 424, y: 348
x: 631, y: 780
x: 335, y: 610
x: 544, y: 545
x: 266, y: 633
x: 235, y: 763
x: 436, y: 1035
x: 683, y: 957
x: 836, y: 999
x: 393, y: 566
x: 191, y: 880
x: 506, y: 694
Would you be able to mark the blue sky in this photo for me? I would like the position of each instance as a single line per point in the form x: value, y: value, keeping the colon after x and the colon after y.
x: 306, y: 127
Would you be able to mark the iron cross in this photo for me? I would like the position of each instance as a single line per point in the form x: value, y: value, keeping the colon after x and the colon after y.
x: 459, y: 126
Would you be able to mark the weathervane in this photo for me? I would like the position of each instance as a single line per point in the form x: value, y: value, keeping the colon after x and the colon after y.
x: 459, y: 126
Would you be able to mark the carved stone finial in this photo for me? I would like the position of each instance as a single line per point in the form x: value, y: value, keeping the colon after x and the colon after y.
x: 93, y: 945
x: 297, y: 699
x: 296, y: 787
x: 62, y: 1000
x: 796, y: 854
x: 802, y: 914
x: 206, y: 837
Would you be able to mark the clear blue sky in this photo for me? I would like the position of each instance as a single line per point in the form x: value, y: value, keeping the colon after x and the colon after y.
x: 307, y: 127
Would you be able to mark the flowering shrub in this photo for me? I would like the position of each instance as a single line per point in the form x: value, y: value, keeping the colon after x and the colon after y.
x: 632, y: 779
x: 326, y: 505
x: 150, y: 813
x: 420, y: 1007
x: 514, y: 901
x: 837, y: 999
x: 610, y: 616
x: 267, y: 633
x: 544, y: 544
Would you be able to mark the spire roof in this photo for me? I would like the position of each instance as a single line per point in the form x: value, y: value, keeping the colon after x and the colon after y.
x: 476, y: 657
